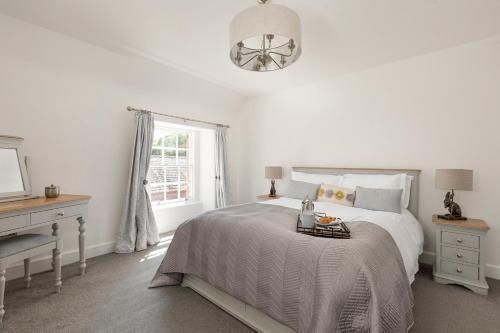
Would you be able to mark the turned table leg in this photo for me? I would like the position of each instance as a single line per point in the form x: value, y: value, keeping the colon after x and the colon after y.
x: 57, y: 268
x: 27, y: 273
x: 55, y: 232
x: 81, y: 241
x: 2, y: 291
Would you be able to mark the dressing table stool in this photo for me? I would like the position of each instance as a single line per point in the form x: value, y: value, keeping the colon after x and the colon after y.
x: 24, y: 247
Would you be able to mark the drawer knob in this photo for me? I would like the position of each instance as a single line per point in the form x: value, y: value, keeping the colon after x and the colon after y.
x: 459, y: 255
x: 459, y: 270
x: 460, y: 240
x: 60, y: 214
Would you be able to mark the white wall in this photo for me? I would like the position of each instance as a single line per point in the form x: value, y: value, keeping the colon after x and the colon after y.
x: 440, y: 110
x: 67, y: 99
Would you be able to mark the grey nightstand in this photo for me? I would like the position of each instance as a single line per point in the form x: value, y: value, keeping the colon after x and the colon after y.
x: 460, y: 253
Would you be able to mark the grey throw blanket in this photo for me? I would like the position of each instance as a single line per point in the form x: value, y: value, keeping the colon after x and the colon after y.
x: 310, y: 284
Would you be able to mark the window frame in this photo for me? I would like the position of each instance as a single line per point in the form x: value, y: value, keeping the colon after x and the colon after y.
x: 189, y: 150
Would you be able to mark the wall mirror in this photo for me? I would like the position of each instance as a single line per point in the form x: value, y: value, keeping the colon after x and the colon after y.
x: 14, y: 179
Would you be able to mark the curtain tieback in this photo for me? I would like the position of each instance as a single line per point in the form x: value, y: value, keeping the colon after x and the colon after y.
x: 145, y: 182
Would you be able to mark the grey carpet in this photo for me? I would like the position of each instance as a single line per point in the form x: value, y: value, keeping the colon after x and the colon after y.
x: 113, y: 297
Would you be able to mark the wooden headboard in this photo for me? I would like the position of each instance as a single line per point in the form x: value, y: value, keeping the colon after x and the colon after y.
x: 414, y: 193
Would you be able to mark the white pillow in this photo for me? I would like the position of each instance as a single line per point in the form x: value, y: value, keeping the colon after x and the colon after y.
x: 407, y: 191
x: 398, y: 181
x: 315, y: 178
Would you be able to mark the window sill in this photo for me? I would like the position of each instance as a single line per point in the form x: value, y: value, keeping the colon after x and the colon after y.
x: 168, y: 205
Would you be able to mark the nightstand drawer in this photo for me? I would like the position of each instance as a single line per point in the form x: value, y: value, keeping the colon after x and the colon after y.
x: 458, y: 254
x: 460, y: 239
x: 464, y: 271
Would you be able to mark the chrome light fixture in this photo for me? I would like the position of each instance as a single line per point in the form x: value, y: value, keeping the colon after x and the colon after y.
x: 265, y: 37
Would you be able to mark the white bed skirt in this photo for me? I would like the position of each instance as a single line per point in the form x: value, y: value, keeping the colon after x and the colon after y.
x: 249, y: 315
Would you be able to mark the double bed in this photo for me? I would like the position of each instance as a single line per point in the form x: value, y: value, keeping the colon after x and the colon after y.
x: 249, y: 260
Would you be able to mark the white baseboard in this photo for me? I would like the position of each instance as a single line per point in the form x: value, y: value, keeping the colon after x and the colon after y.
x: 43, y: 264
x: 427, y: 258
x: 492, y: 271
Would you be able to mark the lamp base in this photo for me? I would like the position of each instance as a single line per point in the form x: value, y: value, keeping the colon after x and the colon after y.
x: 450, y: 217
x: 272, y: 192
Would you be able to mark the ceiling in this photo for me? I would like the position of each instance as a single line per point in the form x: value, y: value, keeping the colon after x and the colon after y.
x: 339, y: 36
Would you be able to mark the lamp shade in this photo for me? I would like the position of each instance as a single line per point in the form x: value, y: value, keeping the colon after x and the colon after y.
x: 265, y: 37
x: 454, y: 179
x: 274, y: 172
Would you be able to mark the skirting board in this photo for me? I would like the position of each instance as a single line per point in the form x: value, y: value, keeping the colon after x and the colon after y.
x: 43, y: 264
x: 249, y: 315
x: 492, y: 271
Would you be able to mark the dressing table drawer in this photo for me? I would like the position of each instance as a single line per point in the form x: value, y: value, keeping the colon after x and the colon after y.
x: 56, y: 214
x: 13, y: 222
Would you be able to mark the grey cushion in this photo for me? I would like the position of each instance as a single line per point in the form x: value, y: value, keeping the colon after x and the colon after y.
x: 299, y: 190
x: 387, y: 200
x: 21, y: 243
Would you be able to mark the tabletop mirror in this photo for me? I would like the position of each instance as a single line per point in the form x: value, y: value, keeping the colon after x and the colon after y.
x: 14, y: 179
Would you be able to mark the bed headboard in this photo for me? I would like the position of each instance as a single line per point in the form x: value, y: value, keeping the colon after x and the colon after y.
x: 414, y: 193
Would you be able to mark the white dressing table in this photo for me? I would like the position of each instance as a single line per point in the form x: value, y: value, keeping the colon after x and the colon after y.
x: 18, y: 216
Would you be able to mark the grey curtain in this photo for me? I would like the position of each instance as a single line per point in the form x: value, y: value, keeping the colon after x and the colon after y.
x: 138, y: 226
x: 221, y: 176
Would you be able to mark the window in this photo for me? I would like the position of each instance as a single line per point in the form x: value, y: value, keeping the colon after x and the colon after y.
x: 170, y: 174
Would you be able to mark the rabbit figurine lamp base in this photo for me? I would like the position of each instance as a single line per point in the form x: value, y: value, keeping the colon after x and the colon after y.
x: 453, y: 208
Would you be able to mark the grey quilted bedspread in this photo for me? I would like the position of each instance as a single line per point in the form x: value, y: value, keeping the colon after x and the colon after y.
x: 310, y: 284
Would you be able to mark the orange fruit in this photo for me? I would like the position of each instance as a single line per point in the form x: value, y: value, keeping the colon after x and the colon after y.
x: 326, y: 219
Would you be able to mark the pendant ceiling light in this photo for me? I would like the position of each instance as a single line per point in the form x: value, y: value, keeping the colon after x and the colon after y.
x: 265, y: 37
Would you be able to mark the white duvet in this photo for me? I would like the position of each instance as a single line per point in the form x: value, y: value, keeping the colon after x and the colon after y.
x: 404, y: 228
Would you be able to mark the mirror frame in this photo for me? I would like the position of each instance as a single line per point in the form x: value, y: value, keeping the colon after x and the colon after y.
x: 14, y: 142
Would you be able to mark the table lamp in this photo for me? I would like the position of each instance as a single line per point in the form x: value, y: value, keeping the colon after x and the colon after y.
x: 273, y: 173
x: 453, y: 179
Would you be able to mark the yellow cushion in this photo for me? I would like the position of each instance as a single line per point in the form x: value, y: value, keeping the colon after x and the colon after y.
x: 336, y: 194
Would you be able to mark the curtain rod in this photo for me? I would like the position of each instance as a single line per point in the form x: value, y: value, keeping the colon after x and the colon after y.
x: 129, y: 108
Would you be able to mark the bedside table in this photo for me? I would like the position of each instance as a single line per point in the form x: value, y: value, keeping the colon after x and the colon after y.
x: 460, y: 252
x: 265, y: 197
